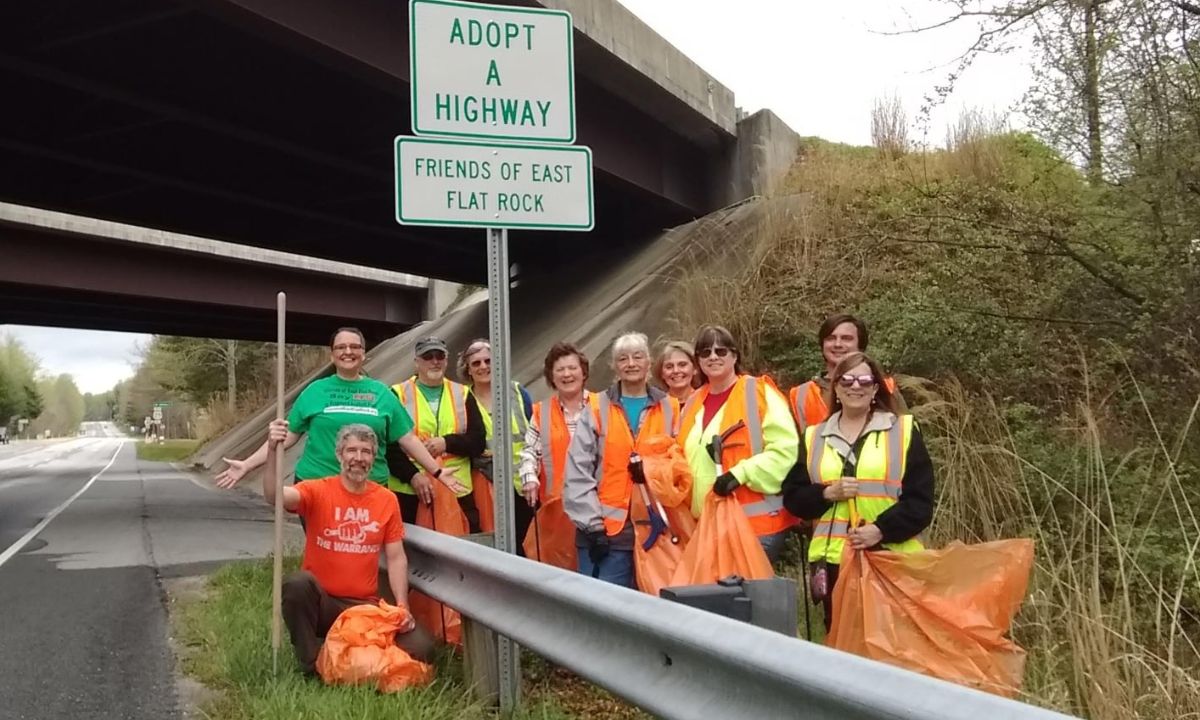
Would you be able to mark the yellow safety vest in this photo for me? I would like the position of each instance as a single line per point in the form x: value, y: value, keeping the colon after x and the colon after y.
x: 451, y: 418
x: 880, y: 472
x: 519, y: 426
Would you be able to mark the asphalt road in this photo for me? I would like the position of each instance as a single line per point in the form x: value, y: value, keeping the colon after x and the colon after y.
x: 83, y: 624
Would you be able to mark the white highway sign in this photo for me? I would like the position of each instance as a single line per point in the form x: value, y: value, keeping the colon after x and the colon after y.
x: 493, y: 72
x: 475, y: 184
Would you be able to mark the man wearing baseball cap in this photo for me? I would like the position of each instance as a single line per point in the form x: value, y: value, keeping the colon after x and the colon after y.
x: 450, y: 427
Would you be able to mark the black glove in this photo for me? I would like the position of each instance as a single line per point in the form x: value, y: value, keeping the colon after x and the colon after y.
x: 598, y: 546
x: 726, y: 484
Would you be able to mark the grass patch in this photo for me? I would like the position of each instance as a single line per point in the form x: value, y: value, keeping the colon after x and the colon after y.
x: 225, y: 640
x: 169, y: 451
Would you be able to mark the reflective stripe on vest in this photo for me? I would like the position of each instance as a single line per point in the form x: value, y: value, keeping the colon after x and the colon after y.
x: 769, y: 504
x: 753, y: 418
x: 613, y: 513
x: 822, y: 529
x: 547, y: 441
x: 804, y: 395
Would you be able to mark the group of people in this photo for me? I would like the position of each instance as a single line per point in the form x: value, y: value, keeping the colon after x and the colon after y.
x: 838, y: 450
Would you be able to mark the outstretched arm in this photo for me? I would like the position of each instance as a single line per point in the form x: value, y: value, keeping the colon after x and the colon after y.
x: 238, y: 469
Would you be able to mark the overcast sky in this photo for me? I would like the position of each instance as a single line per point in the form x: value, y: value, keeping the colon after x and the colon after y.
x: 819, y: 64
x: 96, y: 359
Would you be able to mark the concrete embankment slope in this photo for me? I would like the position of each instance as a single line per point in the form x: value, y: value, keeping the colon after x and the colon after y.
x: 586, y: 303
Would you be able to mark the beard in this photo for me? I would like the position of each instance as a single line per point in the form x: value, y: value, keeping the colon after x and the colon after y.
x: 356, y: 472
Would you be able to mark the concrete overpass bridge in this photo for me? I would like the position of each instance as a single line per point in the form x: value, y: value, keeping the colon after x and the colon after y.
x: 58, y: 269
x: 268, y: 124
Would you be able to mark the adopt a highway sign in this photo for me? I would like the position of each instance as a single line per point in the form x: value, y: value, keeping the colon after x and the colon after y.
x: 491, y: 72
x: 490, y: 185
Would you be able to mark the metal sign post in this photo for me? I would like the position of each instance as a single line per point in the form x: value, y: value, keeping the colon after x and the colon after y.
x: 502, y: 448
x: 493, y: 85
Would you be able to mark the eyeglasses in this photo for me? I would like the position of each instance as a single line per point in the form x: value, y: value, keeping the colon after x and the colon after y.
x: 718, y: 351
x: 344, y: 347
x: 480, y: 362
x: 434, y: 355
x: 862, y: 380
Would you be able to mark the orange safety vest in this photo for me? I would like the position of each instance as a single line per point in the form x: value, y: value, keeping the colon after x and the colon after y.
x: 556, y: 440
x: 807, y: 401
x: 614, y: 486
x: 747, y: 402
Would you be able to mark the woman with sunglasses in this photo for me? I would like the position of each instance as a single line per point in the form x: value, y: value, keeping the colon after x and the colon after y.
x: 325, y: 405
x: 475, y: 368
x: 865, y: 472
x: 739, y: 438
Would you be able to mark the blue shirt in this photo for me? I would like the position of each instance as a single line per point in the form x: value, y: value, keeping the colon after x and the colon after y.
x: 633, y: 410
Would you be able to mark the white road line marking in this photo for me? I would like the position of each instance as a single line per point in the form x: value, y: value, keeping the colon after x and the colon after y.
x: 24, y: 539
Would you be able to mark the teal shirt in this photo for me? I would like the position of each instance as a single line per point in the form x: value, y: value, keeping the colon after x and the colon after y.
x: 433, y: 395
x: 633, y: 410
x: 328, y: 404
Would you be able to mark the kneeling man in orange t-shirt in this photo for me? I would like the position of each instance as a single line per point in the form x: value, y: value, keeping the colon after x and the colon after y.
x: 348, y: 521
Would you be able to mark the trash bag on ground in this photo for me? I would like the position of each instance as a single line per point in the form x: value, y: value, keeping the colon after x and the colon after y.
x: 723, y: 544
x: 945, y: 613
x: 551, y: 537
x: 360, y: 649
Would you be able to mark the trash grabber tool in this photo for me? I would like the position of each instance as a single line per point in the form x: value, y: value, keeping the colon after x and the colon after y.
x: 657, y: 523
x: 277, y: 571
x: 804, y: 577
x: 441, y: 606
x: 537, y: 535
x: 716, y: 446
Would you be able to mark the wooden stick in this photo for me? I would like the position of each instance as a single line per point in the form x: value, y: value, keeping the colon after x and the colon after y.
x: 277, y: 576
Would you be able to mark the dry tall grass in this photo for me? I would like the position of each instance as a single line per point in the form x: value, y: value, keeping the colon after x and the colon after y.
x: 1106, y: 638
x: 1109, y: 618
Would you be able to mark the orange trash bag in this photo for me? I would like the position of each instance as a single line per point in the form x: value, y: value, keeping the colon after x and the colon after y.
x: 944, y: 613
x: 360, y: 649
x: 667, y: 471
x: 441, y: 620
x: 443, y: 514
x: 723, y: 544
x: 663, y: 528
x: 551, y: 537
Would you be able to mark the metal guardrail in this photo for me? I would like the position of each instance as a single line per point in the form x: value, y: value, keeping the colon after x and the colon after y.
x: 676, y: 661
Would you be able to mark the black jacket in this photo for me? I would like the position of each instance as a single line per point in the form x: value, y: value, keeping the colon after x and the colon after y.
x: 469, y: 443
x: 911, y: 514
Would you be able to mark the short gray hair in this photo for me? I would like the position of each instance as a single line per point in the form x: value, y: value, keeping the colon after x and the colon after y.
x: 630, y: 342
x: 358, y: 431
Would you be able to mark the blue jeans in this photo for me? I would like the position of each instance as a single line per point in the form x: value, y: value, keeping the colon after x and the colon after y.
x: 773, y: 544
x: 615, y: 568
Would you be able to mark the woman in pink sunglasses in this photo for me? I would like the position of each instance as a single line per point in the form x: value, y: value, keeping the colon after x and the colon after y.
x: 864, y: 472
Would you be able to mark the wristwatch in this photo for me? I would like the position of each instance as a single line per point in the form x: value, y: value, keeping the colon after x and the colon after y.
x: 437, y: 473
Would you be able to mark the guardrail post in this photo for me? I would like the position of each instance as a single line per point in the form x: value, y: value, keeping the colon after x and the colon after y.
x: 481, y: 671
